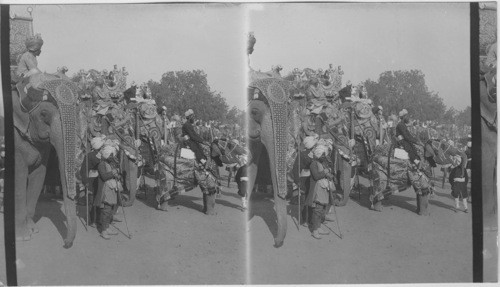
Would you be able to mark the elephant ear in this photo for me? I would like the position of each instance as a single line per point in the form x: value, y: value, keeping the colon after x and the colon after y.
x: 65, y: 93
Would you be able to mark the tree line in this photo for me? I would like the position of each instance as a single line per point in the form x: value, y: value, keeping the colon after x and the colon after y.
x: 394, y: 90
x: 397, y: 90
x: 183, y: 90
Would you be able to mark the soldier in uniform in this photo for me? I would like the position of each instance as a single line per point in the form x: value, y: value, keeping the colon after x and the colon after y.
x: 405, y: 138
x: 193, y: 140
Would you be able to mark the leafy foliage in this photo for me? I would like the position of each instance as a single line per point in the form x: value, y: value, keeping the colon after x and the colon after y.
x: 397, y: 90
x: 464, y: 117
x: 183, y: 90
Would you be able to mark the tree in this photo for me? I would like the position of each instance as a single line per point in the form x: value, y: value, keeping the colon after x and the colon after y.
x: 397, y: 90
x: 463, y: 118
x: 183, y: 90
x: 449, y: 116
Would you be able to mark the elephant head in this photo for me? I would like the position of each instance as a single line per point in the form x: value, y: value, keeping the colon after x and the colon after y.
x: 267, y: 127
x: 51, y: 122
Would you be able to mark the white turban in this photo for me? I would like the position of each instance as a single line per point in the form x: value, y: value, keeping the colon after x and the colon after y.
x: 115, y: 143
x: 319, y: 151
x: 310, y: 142
x: 456, y: 160
x: 403, y: 112
x: 188, y: 113
x: 107, y: 151
x: 97, y: 142
x: 317, y: 110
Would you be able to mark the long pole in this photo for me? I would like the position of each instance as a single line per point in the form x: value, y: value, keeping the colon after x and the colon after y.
x: 298, y: 174
x: 121, y: 200
x: 87, y: 162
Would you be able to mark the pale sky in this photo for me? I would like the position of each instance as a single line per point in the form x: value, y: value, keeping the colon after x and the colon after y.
x: 148, y: 39
x: 365, y: 39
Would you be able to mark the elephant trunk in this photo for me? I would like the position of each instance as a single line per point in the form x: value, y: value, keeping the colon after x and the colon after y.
x: 64, y: 141
x: 275, y: 141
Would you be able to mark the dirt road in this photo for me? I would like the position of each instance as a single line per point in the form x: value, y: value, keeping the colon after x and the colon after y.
x: 184, y: 246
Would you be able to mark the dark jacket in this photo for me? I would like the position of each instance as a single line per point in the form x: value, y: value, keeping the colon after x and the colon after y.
x: 316, y: 175
x: 242, y: 185
x: 188, y: 129
x: 93, y: 163
x: 468, y: 153
x: 305, y: 162
x: 402, y: 129
x: 102, y: 178
x: 458, y: 189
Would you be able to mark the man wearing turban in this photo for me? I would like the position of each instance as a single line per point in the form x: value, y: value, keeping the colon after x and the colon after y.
x: 301, y: 174
x: 405, y: 138
x: 193, y: 140
x: 318, y: 198
x: 89, y: 174
x: 28, y: 65
x: 106, y: 199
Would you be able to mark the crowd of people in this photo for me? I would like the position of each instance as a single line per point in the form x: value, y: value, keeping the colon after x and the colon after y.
x: 121, y: 122
x: 111, y: 107
x: 326, y: 131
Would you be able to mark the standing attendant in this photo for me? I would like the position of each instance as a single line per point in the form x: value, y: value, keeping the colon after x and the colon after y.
x: 318, y: 197
x: 406, y: 139
x: 458, y: 180
x: 193, y: 140
x: 106, y: 197
x: 241, y: 178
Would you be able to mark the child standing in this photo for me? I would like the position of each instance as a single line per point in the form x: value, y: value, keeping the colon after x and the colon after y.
x: 458, y: 180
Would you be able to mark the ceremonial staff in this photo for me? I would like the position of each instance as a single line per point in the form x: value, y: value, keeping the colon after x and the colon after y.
x: 89, y: 119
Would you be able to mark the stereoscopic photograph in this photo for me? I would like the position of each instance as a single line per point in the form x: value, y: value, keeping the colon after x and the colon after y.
x: 249, y: 143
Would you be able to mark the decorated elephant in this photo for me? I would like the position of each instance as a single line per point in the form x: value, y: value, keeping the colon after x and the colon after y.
x: 268, y: 140
x: 37, y: 127
x: 393, y: 174
x: 184, y: 174
x: 489, y: 140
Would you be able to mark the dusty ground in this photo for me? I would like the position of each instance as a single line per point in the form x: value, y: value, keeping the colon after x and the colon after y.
x: 394, y: 246
x: 184, y: 246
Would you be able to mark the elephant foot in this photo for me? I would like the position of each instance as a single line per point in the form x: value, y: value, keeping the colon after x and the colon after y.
x: 32, y: 226
x: 377, y: 206
x: 127, y: 203
x: 163, y: 206
x: 23, y: 234
x: 278, y: 243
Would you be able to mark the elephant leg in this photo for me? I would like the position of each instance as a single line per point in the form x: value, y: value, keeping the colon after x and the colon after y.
x: 131, y: 171
x: 379, y: 184
x: 35, y: 185
x: 210, y: 202
x: 344, y: 176
x: 21, y: 214
x: 424, y: 204
x: 488, y: 178
x: 419, y: 200
x: 204, y: 203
